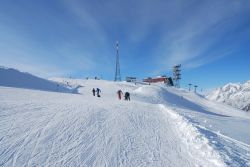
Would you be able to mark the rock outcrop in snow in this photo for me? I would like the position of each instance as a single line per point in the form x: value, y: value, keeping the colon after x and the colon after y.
x: 234, y: 94
x: 10, y: 77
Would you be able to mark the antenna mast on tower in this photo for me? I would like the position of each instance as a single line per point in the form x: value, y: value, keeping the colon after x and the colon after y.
x: 117, y: 66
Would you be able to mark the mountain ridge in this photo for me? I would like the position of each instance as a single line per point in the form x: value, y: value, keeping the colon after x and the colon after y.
x: 233, y: 94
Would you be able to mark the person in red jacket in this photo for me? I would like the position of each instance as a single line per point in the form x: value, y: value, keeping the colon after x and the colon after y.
x: 119, y: 93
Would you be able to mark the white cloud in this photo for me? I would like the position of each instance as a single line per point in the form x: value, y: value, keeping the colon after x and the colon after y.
x: 58, y: 55
x: 187, y: 32
x: 205, y: 25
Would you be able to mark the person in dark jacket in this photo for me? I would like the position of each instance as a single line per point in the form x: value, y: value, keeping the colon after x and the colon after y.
x: 93, y: 91
x: 98, y: 92
x: 127, y: 96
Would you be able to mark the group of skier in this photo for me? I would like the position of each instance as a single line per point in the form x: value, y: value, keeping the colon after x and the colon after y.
x: 126, y: 96
x: 97, y: 92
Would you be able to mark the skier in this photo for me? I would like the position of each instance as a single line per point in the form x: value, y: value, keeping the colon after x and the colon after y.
x: 98, y: 92
x: 127, y: 96
x: 119, y: 92
x: 93, y: 91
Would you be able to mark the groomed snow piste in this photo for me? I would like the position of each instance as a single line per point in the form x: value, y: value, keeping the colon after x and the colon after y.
x: 160, y: 126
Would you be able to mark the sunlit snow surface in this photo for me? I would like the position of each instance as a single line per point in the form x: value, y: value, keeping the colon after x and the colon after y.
x: 160, y: 126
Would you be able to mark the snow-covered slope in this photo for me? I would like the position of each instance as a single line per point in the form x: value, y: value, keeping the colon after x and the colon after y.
x: 13, y: 78
x: 234, y: 94
x: 160, y: 126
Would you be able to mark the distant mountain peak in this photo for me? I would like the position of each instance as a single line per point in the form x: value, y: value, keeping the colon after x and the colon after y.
x: 234, y: 94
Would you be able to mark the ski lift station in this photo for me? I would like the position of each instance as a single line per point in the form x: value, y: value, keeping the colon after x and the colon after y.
x: 159, y: 79
x: 131, y: 79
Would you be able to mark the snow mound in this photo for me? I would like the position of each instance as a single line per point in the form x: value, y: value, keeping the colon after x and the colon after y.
x: 13, y: 78
x: 234, y: 94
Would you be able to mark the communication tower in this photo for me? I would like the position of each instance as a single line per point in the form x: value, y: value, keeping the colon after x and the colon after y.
x: 117, y: 66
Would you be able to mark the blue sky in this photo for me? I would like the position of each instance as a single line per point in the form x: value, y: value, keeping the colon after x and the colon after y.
x: 211, y: 39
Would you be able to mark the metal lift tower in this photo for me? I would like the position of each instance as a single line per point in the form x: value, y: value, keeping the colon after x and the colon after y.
x: 117, y: 66
x: 177, y: 75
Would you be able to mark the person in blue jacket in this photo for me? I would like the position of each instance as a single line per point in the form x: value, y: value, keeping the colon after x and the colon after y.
x: 98, y: 91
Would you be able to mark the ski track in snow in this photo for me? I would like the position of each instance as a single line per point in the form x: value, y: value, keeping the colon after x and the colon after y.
x: 234, y: 152
x: 54, y: 129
